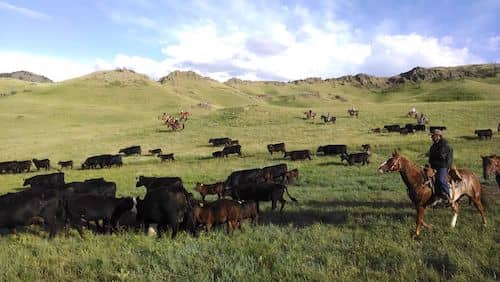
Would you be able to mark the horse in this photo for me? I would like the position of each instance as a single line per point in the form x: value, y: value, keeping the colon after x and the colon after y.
x: 328, y: 118
x: 353, y: 112
x: 183, y: 115
x: 175, y: 125
x: 412, y: 114
x: 491, y: 165
x: 420, y: 187
x: 310, y: 114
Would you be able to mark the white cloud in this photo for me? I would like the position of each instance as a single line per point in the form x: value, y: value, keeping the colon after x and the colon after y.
x: 24, y: 11
x: 55, y: 68
x: 494, y: 43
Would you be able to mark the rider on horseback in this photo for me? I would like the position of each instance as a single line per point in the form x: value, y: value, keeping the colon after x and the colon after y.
x: 441, y: 159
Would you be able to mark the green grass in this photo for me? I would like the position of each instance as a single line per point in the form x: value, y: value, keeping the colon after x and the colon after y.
x: 350, y: 222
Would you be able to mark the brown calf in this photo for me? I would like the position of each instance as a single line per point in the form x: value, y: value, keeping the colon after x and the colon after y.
x: 292, y: 175
x: 210, y: 189
x: 249, y: 211
x: 219, y: 212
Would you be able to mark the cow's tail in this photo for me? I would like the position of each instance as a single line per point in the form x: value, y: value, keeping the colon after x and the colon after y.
x: 291, y: 198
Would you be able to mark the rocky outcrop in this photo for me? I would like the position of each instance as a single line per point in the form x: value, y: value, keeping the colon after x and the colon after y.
x: 183, y: 75
x: 26, y: 76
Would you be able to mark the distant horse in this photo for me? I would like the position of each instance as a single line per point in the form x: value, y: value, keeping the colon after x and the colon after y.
x: 491, y: 165
x: 420, y: 187
x: 183, y: 115
x: 310, y: 114
x: 353, y: 112
x: 328, y: 118
x: 175, y: 125
x: 412, y: 114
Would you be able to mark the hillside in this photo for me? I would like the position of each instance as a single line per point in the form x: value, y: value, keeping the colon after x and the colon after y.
x: 26, y: 76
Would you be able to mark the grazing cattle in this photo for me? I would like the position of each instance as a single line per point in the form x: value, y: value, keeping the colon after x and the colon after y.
x: 292, y: 175
x: 45, y: 163
x: 298, y: 155
x: 96, y: 208
x: 393, y: 128
x: 165, y: 157
x: 152, y: 183
x: 232, y: 149
x: 210, y: 189
x: 246, y: 176
x: 96, y: 187
x: 332, y: 149
x: 52, y: 180
x: 491, y: 166
x: 405, y: 131
x: 26, y: 208
x: 376, y: 130
x: 155, y: 151
x: 132, y: 150
x: 484, y: 133
x: 248, y: 210
x: 278, y: 147
x: 271, y: 173
x: 220, y: 141
x: 222, y: 211
x: 115, y: 160
x: 217, y: 154
x: 165, y: 208
x: 261, y: 192
x: 66, y: 164
x: 328, y: 118
x: 23, y: 166
x: 356, y: 158
x: 432, y: 128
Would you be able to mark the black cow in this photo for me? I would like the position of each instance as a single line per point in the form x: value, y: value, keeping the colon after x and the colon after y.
x: 23, y: 166
x: 261, y: 192
x: 9, y: 167
x: 155, y: 151
x: 356, y: 158
x: 271, y: 173
x: 393, y: 128
x: 165, y: 208
x: 217, y: 154
x: 298, y: 155
x: 419, y: 127
x: 52, y: 180
x: 484, y: 133
x: 164, y: 157
x: 95, y: 208
x: 406, y: 130
x: 64, y: 164
x: 278, y: 147
x: 96, y: 187
x: 45, y: 163
x: 26, y: 208
x: 220, y: 141
x: 97, y: 161
x: 246, y: 176
x: 332, y: 149
x: 157, y: 182
x: 115, y: 160
x: 232, y: 149
x: 432, y: 128
x: 132, y: 150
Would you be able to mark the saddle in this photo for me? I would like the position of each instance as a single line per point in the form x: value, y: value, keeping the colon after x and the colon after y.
x: 429, y: 174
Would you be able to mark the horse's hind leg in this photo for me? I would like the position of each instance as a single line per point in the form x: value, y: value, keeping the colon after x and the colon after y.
x: 480, y: 208
x: 454, y: 207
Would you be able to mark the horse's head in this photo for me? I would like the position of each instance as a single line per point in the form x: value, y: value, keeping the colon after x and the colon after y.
x: 392, y: 164
x: 490, y: 165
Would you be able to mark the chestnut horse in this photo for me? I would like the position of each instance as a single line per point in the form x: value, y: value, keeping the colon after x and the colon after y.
x: 491, y: 166
x: 420, y: 187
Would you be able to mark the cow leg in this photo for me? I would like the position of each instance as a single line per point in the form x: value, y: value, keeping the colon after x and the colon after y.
x: 282, y: 201
x: 146, y: 228
x: 273, y: 205
x: 203, y: 197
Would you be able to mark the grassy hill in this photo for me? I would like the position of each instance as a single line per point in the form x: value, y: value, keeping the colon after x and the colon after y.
x: 350, y: 222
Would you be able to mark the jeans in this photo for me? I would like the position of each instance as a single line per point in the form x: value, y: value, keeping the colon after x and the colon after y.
x: 441, y: 180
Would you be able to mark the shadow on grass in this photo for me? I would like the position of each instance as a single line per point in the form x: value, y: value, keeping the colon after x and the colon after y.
x: 359, y: 204
x: 468, y: 137
x: 332, y: 163
x: 301, y: 218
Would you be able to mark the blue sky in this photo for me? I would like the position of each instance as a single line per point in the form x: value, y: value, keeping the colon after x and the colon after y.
x: 256, y: 40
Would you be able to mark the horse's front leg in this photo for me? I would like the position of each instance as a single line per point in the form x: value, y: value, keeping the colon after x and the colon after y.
x: 454, y: 207
x: 420, y: 220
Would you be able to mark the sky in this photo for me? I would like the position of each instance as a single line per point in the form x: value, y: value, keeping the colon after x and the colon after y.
x: 251, y: 40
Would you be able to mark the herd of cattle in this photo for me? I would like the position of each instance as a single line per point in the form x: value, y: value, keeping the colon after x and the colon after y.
x: 51, y: 202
